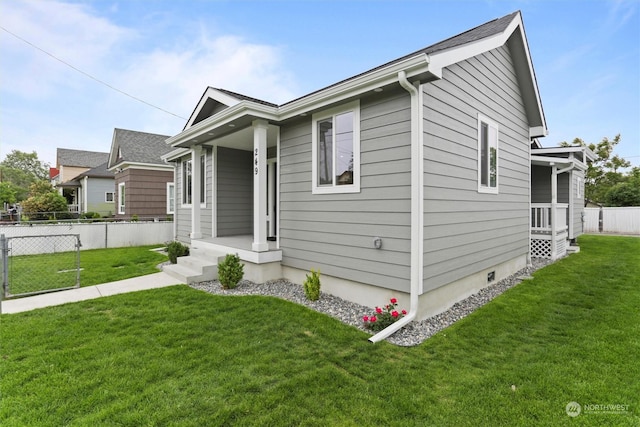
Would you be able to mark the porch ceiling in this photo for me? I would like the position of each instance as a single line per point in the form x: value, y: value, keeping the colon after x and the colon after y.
x: 242, y: 139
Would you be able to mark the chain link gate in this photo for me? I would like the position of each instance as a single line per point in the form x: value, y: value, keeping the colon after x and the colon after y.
x: 38, y: 264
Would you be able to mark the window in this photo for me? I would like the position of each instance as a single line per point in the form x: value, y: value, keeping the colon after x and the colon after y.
x: 171, y: 194
x: 121, y: 198
x: 336, y: 150
x: 487, y: 155
x: 579, y: 187
x: 186, y: 182
x: 203, y: 180
x: 109, y: 197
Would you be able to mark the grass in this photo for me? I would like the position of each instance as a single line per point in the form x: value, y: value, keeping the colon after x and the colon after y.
x: 177, y: 356
x: 29, y: 273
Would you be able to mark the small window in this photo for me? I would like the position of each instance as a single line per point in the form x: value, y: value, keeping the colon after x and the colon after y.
x: 579, y: 188
x: 171, y: 194
x: 203, y: 180
x: 336, y: 150
x: 109, y: 197
x: 121, y: 198
x: 186, y: 182
x: 487, y: 155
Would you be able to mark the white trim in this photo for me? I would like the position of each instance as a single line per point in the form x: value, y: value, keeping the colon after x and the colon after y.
x: 203, y: 183
x: 260, y: 243
x: 113, y: 196
x: 183, y: 192
x: 278, y: 181
x: 216, y: 95
x: 420, y: 213
x: 331, y: 113
x: 137, y: 165
x: 169, y: 211
x: 492, y: 125
x: 214, y: 191
x: 122, y: 207
x: 85, y: 194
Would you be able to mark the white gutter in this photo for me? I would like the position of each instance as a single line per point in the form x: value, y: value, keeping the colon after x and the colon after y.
x: 416, y: 212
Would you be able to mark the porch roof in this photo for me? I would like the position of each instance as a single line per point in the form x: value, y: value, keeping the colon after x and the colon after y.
x: 561, y: 162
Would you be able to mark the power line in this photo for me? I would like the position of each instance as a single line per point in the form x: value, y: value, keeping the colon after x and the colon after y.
x: 102, y: 82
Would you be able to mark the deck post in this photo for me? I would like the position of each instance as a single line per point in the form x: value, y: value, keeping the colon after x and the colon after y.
x: 554, y: 207
x: 260, y: 243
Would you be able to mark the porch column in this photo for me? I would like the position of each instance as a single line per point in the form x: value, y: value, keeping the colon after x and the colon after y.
x: 260, y: 243
x: 554, y: 206
x: 196, y: 172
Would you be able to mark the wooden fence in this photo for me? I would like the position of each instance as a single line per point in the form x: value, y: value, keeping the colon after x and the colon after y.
x: 624, y: 220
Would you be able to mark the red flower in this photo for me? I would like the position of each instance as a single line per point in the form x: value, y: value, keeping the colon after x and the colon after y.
x: 373, y: 319
x: 393, y: 300
x: 404, y: 312
x: 378, y: 310
x: 394, y: 314
x: 365, y: 318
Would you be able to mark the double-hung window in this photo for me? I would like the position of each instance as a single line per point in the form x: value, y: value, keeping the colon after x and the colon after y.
x: 121, y: 198
x: 487, y: 155
x: 171, y: 193
x: 186, y: 182
x: 336, y: 150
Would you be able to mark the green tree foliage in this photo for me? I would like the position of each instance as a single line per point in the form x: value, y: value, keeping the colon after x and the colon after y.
x: 44, y: 202
x: 605, y: 172
x: 21, y: 170
x: 625, y: 193
x: 8, y: 193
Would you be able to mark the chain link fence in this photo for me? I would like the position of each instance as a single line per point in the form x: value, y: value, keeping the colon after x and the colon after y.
x: 38, y: 264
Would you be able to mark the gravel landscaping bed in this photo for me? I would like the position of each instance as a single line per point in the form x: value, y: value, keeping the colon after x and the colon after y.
x: 352, y: 313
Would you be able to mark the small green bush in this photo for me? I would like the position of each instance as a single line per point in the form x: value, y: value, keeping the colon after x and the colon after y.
x: 176, y: 249
x: 230, y: 271
x: 134, y: 218
x: 312, y: 286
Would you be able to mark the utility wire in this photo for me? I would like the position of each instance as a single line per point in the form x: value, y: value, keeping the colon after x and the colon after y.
x: 89, y: 75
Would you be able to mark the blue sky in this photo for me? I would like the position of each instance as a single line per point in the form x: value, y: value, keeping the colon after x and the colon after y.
x: 586, y: 55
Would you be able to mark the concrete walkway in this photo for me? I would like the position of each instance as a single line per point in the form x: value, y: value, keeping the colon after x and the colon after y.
x: 142, y: 283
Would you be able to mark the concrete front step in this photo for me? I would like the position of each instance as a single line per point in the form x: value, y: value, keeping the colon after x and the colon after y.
x: 198, y: 267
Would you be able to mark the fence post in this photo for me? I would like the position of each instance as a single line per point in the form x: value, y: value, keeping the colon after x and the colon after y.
x: 4, y: 249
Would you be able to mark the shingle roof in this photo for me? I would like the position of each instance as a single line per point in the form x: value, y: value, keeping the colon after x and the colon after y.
x: 139, y: 147
x: 98, y: 172
x: 244, y: 97
x: 80, y: 158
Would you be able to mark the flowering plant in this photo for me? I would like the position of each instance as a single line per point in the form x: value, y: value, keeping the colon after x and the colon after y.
x: 384, y: 316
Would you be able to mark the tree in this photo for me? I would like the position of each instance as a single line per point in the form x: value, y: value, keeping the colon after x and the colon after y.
x: 22, y: 169
x: 625, y: 193
x: 44, y: 202
x: 7, y: 193
x: 603, y: 173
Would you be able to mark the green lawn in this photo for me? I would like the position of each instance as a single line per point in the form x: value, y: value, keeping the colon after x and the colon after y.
x: 29, y: 273
x: 177, y: 356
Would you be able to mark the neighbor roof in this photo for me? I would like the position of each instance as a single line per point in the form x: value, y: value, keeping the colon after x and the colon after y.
x: 80, y: 158
x: 137, y: 147
x: 98, y: 172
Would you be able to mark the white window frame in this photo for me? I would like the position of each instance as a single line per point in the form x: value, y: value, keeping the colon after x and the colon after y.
x: 493, y: 142
x: 183, y: 196
x: 106, y: 197
x: 203, y: 179
x: 171, y: 197
x: 333, y: 112
x: 122, y: 198
x: 579, y: 187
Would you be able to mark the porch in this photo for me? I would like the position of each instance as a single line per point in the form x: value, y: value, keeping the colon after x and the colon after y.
x: 205, y: 254
x: 549, y: 230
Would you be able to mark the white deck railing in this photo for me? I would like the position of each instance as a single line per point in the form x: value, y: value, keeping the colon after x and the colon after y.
x: 541, y: 220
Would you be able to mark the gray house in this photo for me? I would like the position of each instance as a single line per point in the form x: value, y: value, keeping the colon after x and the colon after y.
x: 410, y: 180
x: 143, y: 181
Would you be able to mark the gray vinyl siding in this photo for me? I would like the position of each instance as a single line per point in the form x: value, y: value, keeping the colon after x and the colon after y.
x: 205, y: 210
x: 235, y: 192
x: 540, y: 184
x: 578, y: 203
x: 466, y: 231
x: 97, y: 187
x: 334, y: 232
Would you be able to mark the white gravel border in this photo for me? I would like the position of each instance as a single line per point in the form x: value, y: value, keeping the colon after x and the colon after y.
x: 351, y: 313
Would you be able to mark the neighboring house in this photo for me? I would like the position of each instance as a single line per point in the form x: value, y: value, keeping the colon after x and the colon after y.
x: 70, y: 164
x: 557, y: 197
x: 409, y: 180
x: 144, y: 182
x: 94, y: 189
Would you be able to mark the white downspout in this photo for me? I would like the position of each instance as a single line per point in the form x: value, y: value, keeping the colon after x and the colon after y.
x: 416, y: 212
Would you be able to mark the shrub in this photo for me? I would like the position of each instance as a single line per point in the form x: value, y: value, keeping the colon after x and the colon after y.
x: 384, y: 316
x: 230, y: 271
x: 134, y: 218
x: 176, y: 249
x: 312, y: 286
